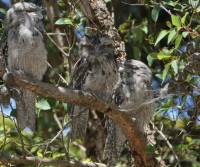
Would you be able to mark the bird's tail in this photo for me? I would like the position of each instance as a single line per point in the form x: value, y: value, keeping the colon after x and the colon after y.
x: 114, y: 143
x: 79, y: 118
x: 26, y: 116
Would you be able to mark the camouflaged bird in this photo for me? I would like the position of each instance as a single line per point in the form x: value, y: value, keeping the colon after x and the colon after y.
x: 95, y: 72
x: 26, y: 53
x: 127, y: 85
x: 132, y: 94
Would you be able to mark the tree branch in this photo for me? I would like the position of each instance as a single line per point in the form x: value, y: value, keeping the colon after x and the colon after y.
x: 77, y: 97
x: 37, y: 160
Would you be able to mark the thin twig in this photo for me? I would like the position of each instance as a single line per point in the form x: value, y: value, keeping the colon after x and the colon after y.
x: 165, y: 9
x: 59, y: 48
x: 134, y: 4
x: 168, y: 143
x: 54, y: 33
x: 60, y: 76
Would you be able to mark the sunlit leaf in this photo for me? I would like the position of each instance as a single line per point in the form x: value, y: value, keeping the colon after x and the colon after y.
x: 188, y: 78
x: 183, y: 19
x: 64, y: 21
x: 164, y: 54
x: 168, y: 103
x: 171, y: 35
x: 65, y: 106
x: 188, y: 139
x: 194, y: 3
x: 198, y: 9
x: 174, y: 65
x: 165, y: 71
x: 168, y: 23
x: 180, y: 124
x: 150, y: 58
x: 164, y: 57
x: 39, y: 153
x: 155, y: 13
x: 176, y: 21
x: 185, y: 34
x: 162, y: 34
x: 178, y: 41
x: 43, y: 104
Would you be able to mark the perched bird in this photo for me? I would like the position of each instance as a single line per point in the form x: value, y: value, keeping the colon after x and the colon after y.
x: 26, y: 53
x: 132, y: 94
x: 128, y: 85
x: 95, y: 72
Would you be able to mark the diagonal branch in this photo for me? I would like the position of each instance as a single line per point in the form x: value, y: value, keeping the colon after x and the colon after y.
x: 137, y: 144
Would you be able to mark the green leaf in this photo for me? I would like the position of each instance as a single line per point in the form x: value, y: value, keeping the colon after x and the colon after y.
x: 194, y: 3
x: 171, y: 35
x: 188, y: 139
x: 178, y: 41
x: 174, y: 65
x: 155, y: 13
x: 3, y: 11
x: 176, y: 21
x: 168, y: 23
x: 189, y: 78
x: 183, y: 19
x: 39, y: 153
x: 165, y: 71
x: 164, y: 54
x: 185, y: 34
x: 163, y: 57
x: 43, y: 105
x: 64, y: 21
x: 162, y: 34
x: 65, y: 106
x: 198, y: 9
x: 179, y: 123
x: 158, y: 75
x: 169, y: 103
x: 150, y: 58
x: 150, y: 149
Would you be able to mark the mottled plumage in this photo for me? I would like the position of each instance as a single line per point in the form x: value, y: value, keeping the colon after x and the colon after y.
x: 132, y: 94
x: 95, y: 72
x: 127, y: 85
x: 26, y: 53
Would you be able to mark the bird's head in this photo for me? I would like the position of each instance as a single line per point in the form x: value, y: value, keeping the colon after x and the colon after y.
x: 23, y: 13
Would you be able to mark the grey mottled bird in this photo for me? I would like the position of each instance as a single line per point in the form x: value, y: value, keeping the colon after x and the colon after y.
x: 95, y: 72
x: 127, y: 85
x: 132, y: 95
x: 26, y: 53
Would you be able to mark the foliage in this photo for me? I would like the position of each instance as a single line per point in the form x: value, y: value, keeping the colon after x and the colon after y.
x: 165, y: 37
x: 170, y: 39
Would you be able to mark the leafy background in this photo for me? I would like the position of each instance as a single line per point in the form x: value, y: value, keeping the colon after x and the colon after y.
x: 164, y: 35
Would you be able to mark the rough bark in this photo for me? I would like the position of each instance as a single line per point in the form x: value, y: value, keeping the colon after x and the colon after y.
x: 100, y: 18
